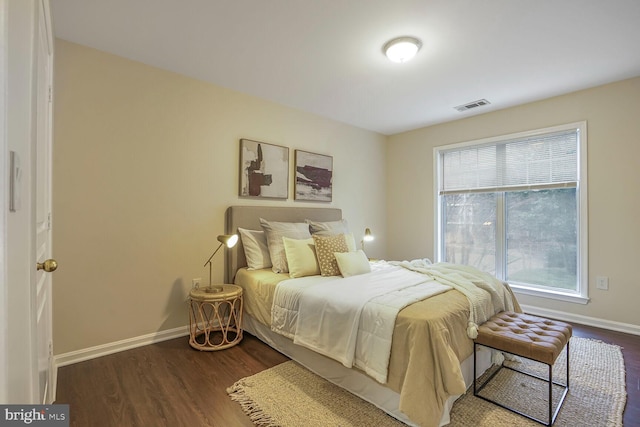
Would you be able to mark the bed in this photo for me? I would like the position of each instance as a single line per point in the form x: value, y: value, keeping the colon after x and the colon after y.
x: 430, y: 363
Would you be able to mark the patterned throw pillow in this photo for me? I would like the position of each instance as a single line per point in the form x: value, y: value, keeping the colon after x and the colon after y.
x: 326, y: 246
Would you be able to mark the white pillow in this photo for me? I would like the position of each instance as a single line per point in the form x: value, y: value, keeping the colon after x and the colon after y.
x: 275, y: 231
x: 353, y: 263
x: 255, y: 247
x: 332, y: 228
x: 351, y: 242
x: 328, y: 228
x: 301, y: 257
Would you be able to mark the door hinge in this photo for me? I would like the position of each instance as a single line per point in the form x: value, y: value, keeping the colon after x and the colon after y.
x: 50, y: 93
x: 49, y: 221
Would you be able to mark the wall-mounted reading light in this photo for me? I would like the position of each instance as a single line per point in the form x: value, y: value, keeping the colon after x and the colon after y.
x: 368, y: 237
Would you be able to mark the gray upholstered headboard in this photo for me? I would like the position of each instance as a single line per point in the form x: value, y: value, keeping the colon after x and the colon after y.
x: 249, y: 217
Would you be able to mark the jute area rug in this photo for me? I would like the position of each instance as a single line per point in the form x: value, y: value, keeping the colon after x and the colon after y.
x: 288, y: 395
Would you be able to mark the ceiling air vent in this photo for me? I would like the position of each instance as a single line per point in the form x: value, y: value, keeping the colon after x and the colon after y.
x: 473, y: 104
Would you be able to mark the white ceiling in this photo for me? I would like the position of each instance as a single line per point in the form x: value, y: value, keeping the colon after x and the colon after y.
x: 325, y: 56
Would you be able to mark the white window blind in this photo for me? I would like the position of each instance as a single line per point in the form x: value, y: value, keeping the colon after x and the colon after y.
x: 540, y: 161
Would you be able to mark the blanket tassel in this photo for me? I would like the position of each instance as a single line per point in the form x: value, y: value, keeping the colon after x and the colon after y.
x: 472, y: 330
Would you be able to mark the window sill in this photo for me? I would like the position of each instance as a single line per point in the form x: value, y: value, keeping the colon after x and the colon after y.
x: 560, y: 296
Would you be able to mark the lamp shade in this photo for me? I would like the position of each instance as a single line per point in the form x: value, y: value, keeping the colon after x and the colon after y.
x: 367, y: 235
x: 402, y: 49
x: 229, y: 240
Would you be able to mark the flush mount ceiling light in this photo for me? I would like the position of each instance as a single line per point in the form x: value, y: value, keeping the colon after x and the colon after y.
x: 402, y: 49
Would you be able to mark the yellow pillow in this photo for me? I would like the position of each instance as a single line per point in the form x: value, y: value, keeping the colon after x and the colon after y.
x: 353, y: 263
x: 301, y: 257
x: 326, y: 247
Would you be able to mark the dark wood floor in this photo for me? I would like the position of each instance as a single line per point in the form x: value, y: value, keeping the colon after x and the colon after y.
x: 170, y: 384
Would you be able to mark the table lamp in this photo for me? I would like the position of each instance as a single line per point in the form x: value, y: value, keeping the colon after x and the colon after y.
x: 228, y: 240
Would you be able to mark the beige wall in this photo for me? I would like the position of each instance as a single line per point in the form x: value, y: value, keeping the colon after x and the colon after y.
x: 145, y: 164
x: 612, y: 113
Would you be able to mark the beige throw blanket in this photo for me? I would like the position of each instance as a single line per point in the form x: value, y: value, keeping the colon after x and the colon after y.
x: 486, y: 294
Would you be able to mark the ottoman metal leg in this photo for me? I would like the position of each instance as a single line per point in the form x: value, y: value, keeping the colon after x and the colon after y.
x: 552, y: 415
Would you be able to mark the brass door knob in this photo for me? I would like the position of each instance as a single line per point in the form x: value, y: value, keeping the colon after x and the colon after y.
x: 48, y: 266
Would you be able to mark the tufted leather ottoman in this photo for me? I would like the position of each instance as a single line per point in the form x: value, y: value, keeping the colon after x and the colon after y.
x: 527, y: 336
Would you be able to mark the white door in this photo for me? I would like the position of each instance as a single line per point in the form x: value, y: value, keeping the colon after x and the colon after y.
x: 25, y: 320
x: 4, y: 191
x: 41, y: 280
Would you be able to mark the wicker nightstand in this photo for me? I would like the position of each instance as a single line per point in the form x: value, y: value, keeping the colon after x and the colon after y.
x: 215, y: 317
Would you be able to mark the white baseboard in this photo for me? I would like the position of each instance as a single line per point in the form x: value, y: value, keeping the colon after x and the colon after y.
x: 114, y: 347
x: 583, y: 320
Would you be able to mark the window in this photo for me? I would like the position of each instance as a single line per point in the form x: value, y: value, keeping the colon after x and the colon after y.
x: 515, y: 206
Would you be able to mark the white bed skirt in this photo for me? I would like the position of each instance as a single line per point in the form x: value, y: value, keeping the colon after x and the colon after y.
x: 353, y: 380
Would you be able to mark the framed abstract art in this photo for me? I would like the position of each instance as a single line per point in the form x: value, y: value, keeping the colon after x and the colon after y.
x: 314, y: 176
x: 264, y: 170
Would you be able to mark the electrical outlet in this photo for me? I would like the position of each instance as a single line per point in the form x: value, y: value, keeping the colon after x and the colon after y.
x: 602, y: 282
x: 195, y: 283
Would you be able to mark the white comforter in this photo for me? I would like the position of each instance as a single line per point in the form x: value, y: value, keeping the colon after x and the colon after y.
x: 350, y: 319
